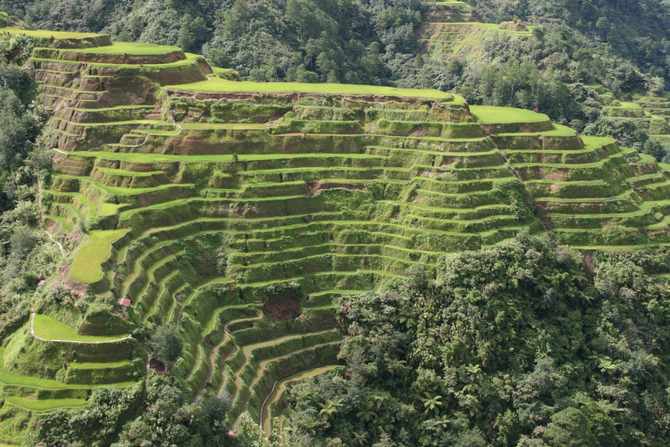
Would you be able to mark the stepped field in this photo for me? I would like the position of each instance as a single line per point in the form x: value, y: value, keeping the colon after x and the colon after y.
x: 652, y: 112
x: 450, y: 29
x: 239, y: 211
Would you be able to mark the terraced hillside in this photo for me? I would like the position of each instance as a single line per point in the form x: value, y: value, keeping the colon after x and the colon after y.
x: 649, y: 113
x: 238, y: 212
x: 450, y: 29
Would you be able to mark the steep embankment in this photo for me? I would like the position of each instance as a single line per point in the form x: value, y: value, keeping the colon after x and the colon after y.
x: 239, y: 211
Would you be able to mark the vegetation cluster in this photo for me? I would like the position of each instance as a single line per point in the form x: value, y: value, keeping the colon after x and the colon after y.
x: 525, y: 344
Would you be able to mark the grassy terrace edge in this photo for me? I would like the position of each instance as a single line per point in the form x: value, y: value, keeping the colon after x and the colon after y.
x: 46, y: 34
x: 225, y: 86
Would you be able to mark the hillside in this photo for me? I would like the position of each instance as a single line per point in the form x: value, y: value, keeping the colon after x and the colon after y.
x: 236, y: 212
x: 568, y: 59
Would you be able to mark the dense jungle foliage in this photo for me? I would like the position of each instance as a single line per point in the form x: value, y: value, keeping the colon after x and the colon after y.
x: 526, y: 344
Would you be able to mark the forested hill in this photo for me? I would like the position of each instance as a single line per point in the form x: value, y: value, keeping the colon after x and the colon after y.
x: 344, y: 40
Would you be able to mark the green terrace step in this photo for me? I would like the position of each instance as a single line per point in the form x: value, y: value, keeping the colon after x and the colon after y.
x: 49, y: 329
x: 478, y: 172
x: 337, y: 262
x: 326, y: 297
x: 127, y: 173
x: 98, y: 365
x: 272, y: 256
x: 641, y: 218
x: 174, y: 312
x: 656, y: 191
x: 286, y: 366
x: 560, y: 156
x: 459, y: 214
x: 342, y: 262
x: 146, y: 297
x: 116, y: 53
x: 262, y: 161
x: 326, y: 278
x: 139, y: 196
x: 39, y: 395
x: 106, y: 114
x: 472, y: 199
x: 132, y: 279
x: 470, y: 159
x: 445, y: 184
x: 307, y: 173
x: 542, y: 188
x: 624, y: 237
x: 218, y: 339
x: 10, y: 379
x: 129, y: 69
x: 102, y: 372
x: 473, y: 226
x: 139, y: 124
x: 258, y: 349
x: 280, y: 346
x: 585, y: 206
x: 598, y: 163
x: 465, y: 152
x: 199, y: 224
x: 45, y: 405
x: 167, y: 297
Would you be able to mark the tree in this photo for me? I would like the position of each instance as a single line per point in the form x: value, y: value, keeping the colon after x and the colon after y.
x: 569, y: 428
x: 166, y: 344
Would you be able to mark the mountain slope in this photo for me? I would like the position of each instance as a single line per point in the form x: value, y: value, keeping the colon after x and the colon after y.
x: 236, y: 212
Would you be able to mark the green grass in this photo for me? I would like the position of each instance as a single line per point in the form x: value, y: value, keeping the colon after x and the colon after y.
x: 625, y: 105
x: 214, y: 158
x: 121, y: 191
x: 592, y: 142
x: 11, y: 379
x: 224, y: 86
x: 127, y: 173
x: 506, y: 115
x: 132, y: 49
x: 558, y: 131
x: 87, y: 265
x: 50, y: 329
x: 114, y: 108
x: 99, y: 365
x: 139, y: 122
x: 45, y: 405
x: 223, y: 126
x: 37, y: 383
x: 45, y: 34
x: 142, y: 68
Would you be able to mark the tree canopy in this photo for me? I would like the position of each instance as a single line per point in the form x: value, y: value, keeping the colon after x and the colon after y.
x: 521, y: 344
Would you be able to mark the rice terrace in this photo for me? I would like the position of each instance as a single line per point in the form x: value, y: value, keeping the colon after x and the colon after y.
x: 236, y: 213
